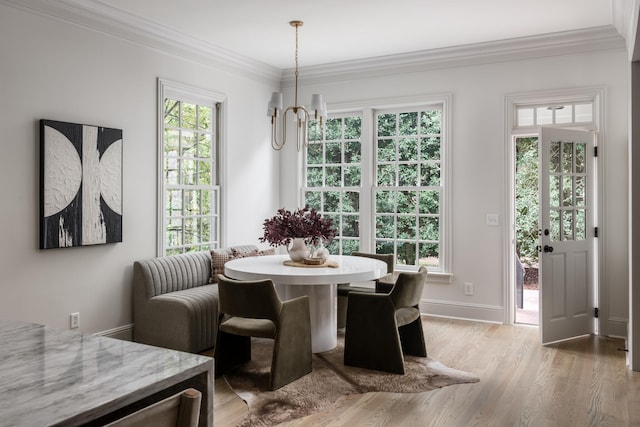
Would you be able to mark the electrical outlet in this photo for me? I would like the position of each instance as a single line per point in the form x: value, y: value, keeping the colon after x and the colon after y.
x: 74, y: 320
x: 493, y: 219
x: 468, y: 288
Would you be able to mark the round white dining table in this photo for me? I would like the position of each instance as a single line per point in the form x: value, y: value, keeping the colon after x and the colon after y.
x: 319, y: 284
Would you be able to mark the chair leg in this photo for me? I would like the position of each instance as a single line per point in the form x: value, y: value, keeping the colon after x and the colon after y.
x: 230, y: 350
x: 372, y: 342
x: 291, y: 357
x: 412, y: 338
x: 383, y: 353
x: 290, y: 361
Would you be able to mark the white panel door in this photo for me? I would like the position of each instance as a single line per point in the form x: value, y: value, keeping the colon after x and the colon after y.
x: 567, y: 240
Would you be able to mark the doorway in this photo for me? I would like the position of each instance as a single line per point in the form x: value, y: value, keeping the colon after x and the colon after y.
x: 554, y: 232
x: 555, y: 256
x: 526, y: 230
x: 546, y: 237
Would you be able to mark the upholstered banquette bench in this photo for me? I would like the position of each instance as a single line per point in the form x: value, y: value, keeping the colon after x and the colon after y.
x: 175, y: 298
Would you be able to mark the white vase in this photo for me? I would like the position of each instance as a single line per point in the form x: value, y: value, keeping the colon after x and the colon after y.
x: 298, y: 250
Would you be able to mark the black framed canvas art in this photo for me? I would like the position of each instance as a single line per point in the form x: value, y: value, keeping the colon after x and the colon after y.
x: 80, y: 185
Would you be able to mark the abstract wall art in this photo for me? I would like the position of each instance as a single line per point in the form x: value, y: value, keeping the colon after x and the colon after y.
x: 80, y: 185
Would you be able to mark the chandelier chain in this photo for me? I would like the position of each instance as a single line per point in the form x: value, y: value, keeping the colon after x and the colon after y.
x: 296, y: 97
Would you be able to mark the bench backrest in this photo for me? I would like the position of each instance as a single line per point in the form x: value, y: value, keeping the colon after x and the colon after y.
x: 172, y: 273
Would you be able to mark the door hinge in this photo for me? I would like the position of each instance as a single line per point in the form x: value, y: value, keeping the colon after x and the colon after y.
x: 595, y: 151
x: 596, y: 312
x: 595, y: 232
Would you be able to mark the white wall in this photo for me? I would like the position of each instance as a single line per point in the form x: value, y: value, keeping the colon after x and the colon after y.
x: 54, y: 70
x: 479, y: 169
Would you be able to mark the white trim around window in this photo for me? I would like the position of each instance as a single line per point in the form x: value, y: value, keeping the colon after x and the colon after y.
x: 366, y: 109
x: 185, y: 93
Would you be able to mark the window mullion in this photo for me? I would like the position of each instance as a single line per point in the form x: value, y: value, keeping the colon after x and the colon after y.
x: 367, y: 200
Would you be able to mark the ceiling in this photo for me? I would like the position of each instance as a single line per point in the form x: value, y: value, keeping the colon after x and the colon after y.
x: 341, y: 30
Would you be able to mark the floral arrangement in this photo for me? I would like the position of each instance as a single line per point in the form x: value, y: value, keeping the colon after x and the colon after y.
x: 303, y: 223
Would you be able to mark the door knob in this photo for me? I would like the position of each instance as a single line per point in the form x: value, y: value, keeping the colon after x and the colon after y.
x: 548, y: 248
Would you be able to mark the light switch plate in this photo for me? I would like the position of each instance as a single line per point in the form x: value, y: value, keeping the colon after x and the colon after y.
x: 493, y: 219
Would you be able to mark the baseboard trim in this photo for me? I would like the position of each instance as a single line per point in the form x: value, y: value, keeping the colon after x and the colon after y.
x: 455, y: 310
x: 617, y: 327
x: 124, y: 332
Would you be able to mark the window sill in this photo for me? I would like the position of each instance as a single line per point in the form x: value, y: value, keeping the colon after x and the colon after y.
x: 436, y: 278
x: 439, y: 278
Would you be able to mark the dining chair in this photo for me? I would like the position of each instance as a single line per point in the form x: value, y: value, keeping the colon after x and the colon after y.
x: 381, y: 327
x: 253, y: 309
x: 180, y: 410
x: 384, y: 284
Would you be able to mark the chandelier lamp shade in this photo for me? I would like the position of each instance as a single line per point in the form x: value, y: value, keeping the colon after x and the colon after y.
x: 302, y: 116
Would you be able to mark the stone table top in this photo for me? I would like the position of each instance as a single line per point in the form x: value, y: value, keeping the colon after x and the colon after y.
x: 50, y: 376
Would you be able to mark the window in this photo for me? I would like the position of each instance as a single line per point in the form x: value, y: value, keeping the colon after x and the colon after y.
x: 379, y: 174
x: 189, y: 212
x: 408, y: 185
x: 333, y: 179
x: 562, y: 114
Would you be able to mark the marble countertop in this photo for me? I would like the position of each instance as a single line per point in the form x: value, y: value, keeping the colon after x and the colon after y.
x: 50, y: 376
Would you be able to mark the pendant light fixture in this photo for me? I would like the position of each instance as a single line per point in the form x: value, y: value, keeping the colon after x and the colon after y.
x: 301, y: 115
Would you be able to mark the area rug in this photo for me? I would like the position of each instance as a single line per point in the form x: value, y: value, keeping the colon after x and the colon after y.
x: 329, y: 381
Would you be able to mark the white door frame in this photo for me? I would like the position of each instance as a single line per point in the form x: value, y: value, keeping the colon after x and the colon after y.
x: 595, y: 94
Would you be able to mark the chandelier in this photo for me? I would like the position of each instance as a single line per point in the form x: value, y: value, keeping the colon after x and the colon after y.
x: 317, y: 112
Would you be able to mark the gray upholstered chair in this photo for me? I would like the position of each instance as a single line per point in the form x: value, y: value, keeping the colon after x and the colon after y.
x: 253, y: 309
x: 179, y: 410
x: 384, y: 284
x: 381, y: 327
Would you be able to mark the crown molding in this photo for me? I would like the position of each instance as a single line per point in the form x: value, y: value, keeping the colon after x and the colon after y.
x: 523, y: 48
x: 625, y: 19
x: 98, y: 16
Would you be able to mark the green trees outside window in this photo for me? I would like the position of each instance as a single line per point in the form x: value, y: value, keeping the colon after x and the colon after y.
x: 526, y: 215
x: 333, y: 179
x: 189, y: 177
x: 408, y: 186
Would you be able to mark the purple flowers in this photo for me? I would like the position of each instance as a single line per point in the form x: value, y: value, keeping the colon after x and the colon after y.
x: 304, y: 223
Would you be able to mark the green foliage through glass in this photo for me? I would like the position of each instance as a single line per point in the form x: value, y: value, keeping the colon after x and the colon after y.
x: 527, y: 201
x: 189, y: 177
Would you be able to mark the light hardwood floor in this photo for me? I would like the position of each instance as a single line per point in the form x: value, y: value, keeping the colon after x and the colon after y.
x: 582, y: 382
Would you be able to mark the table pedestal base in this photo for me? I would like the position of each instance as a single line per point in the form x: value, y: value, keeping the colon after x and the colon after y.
x: 323, y: 310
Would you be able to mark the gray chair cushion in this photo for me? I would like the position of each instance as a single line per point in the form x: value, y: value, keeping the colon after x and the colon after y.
x: 262, y: 328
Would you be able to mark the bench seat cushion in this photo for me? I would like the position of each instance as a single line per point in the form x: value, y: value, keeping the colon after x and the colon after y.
x: 186, y: 319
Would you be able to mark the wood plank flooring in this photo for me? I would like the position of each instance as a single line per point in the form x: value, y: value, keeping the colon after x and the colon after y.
x: 582, y: 382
